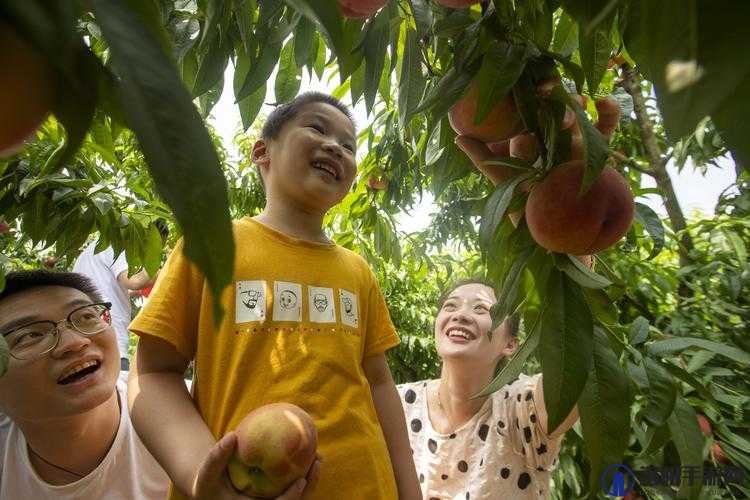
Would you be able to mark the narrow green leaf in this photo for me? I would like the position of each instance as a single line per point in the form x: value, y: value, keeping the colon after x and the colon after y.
x: 677, y: 344
x: 604, y: 408
x: 496, y: 206
x: 688, y: 439
x: 412, y: 82
x: 375, y: 44
x: 653, y: 226
x: 662, y: 392
x: 509, y: 291
x: 326, y: 15
x: 566, y: 347
x: 259, y: 70
x: 423, y: 18
x: 638, y: 332
x: 288, y: 77
x: 595, y: 48
x: 739, y: 247
x: 441, y: 97
x: 250, y: 105
x: 152, y: 250
x: 211, y: 67
x: 514, y: 366
x: 565, y: 40
x: 502, y: 65
x: 177, y: 147
x: 304, y: 38
x: 578, y: 272
x: 692, y: 381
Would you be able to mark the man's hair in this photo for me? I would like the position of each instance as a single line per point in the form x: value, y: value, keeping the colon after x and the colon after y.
x: 282, y: 114
x: 513, y: 321
x: 20, y: 281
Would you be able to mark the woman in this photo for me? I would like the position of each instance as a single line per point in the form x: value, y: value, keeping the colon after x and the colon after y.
x: 492, y: 447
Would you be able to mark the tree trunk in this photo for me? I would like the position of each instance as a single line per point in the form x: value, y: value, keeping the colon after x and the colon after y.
x: 658, y: 170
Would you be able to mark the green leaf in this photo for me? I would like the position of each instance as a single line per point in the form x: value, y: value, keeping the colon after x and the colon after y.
x: 653, y: 226
x: 662, y: 392
x: 412, y: 82
x: 638, y: 332
x: 502, y: 65
x: 595, y: 48
x: 326, y: 15
x: 423, y: 17
x: 595, y: 147
x: 688, y: 439
x: 692, y: 381
x: 375, y: 44
x: 565, y: 40
x: 515, y: 365
x: 304, y: 42
x: 177, y: 147
x: 259, y: 70
x: 496, y: 206
x: 566, y: 347
x: 604, y: 408
x: 739, y: 247
x: 211, y: 67
x: 509, y: 291
x: 441, y: 97
x: 580, y: 273
x: 152, y: 250
x: 676, y: 344
x: 288, y: 78
x: 250, y: 105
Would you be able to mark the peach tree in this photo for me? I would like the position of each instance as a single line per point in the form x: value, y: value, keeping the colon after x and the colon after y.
x: 506, y: 74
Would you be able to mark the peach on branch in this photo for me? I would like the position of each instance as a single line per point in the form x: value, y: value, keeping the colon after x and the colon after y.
x: 560, y: 219
x: 360, y: 9
x: 502, y: 122
x: 276, y: 445
x: 27, y: 90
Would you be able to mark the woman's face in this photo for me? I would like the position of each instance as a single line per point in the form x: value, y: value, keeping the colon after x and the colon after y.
x: 462, y: 325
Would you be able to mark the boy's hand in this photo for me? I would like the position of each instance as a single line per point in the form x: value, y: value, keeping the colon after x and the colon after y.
x: 211, y: 482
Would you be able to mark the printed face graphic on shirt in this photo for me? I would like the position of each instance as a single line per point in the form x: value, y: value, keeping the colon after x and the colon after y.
x: 349, y: 308
x: 287, y: 305
x: 321, y: 306
x: 320, y: 302
x: 288, y: 299
x: 250, y: 303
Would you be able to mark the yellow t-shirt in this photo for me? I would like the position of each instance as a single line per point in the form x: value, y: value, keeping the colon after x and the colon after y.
x: 299, y: 319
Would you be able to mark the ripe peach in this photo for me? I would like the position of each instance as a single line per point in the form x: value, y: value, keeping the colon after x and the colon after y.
x: 561, y: 220
x: 276, y: 445
x: 524, y: 147
x: 27, y: 90
x: 457, y: 4
x: 704, y: 424
x: 502, y: 122
x: 4, y: 227
x: 718, y: 454
x: 360, y: 9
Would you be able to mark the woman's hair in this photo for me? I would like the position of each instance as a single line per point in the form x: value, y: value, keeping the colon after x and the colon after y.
x: 513, y: 321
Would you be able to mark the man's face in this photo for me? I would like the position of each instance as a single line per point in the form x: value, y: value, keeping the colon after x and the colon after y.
x: 32, y: 390
x: 311, y: 164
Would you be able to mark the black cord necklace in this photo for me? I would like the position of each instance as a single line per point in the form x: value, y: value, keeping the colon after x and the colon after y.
x: 37, y: 455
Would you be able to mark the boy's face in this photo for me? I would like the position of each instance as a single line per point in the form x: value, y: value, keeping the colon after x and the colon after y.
x: 311, y: 164
x: 37, y: 390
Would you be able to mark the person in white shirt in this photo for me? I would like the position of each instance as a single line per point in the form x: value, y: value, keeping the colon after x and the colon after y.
x: 65, y: 431
x: 110, y: 276
x: 494, y: 447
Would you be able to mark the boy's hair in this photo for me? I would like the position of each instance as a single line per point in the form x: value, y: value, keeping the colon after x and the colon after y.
x: 20, y: 281
x: 513, y: 321
x: 282, y: 114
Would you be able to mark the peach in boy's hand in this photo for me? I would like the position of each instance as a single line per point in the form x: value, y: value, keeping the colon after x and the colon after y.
x: 276, y: 445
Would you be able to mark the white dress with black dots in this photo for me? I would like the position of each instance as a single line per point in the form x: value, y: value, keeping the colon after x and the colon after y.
x: 500, y: 453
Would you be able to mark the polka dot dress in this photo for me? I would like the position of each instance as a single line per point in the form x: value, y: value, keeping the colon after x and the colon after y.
x: 500, y: 453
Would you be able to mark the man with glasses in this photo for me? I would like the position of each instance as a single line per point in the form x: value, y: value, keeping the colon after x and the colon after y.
x: 67, y: 434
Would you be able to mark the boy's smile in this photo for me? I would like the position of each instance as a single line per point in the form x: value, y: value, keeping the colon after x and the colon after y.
x: 311, y: 164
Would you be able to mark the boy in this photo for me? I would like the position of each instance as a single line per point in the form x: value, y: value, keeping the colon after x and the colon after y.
x: 306, y: 323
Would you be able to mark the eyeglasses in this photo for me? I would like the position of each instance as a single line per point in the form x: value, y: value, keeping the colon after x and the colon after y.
x: 34, y: 340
